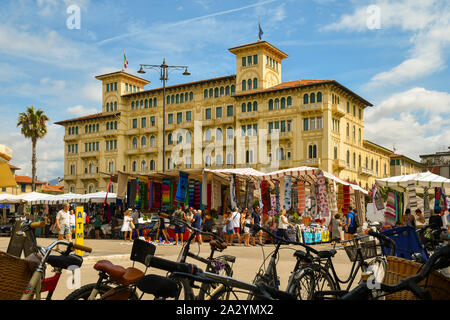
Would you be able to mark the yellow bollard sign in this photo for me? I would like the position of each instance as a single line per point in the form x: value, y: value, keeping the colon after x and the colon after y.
x: 79, y: 229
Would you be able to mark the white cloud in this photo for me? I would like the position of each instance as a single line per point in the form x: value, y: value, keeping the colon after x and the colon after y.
x: 416, y: 121
x: 427, y: 22
x: 80, y: 110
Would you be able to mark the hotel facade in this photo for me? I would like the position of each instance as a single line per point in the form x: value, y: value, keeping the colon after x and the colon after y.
x: 249, y: 119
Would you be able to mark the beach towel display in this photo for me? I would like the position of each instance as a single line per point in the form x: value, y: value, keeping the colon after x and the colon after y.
x: 265, y: 195
x: 233, y: 200
x: 183, y: 183
x: 166, y: 191
x: 301, y: 196
x: 426, y: 204
x: 377, y: 200
x: 389, y: 214
x: 322, y: 196
x: 287, y: 192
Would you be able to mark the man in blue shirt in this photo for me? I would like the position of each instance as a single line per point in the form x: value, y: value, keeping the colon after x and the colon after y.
x: 350, y: 226
x: 197, y: 223
x: 256, y: 219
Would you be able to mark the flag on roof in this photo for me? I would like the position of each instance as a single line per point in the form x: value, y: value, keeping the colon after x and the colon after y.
x: 125, y: 61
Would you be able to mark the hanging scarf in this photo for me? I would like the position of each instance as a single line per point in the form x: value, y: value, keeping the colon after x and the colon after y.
x: 277, y: 197
x: 166, y: 191
x: 333, y: 198
x: 287, y: 192
x: 261, y: 205
x: 377, y: 200
x: 233, y: 199
x: 183, y: 181
x: 412, y: 201
x: 265, y: 195
x: 426, y: 204
x: 216, y: 198
x: 322, y: 196
x: 389, y: 214
x: 204, y: 196
x: 301, y: 196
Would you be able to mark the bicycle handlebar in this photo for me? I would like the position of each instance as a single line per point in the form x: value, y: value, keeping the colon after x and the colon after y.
x: 383, y: 239
x: 171, y: 266
x: 257, y: 228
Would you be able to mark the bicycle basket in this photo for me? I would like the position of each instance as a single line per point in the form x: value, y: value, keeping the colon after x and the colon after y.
x: 14, y: 276
x: 398, y: 269
x: 368, y: 250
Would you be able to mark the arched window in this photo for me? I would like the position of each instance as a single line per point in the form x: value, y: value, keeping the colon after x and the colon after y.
x: 219, y: 136
x: 179, y: 138
x: 172, y: 99
x: 208, y: 135
x: 371, y: 164
x: 107, y: 126
x: 367, y: 162
x: 186, y: 97
x: 348, y: 158
x: 205, y: 93
x: 255, y: 83
x: 229, y: 159
x: 359, y: 161
x: 277, y: 104
x: 233, y: 89
x: 335, y: 152
x: 142, y: 104
x: 168, y: 100
x: 244, y: 85
x: 169, y: 139
x: 305, y: 98
x: 143, y: 165
x: 181, y: 98
x: 249, y: 84
x: 150, y: 103
x: 208, y: 161
x: 319, y: 96
x: 191, y: 96
x: 270, y: 104
x: 188, y: 137
x: 312, y: 98
x: 133, y: 166
x: 230, y: 133
x: 143, y: 142
x: 152, y: 141
x: 249, y: 106
x: 146, y: 104
x: 135, y: 143
x: 376, y: 168
x: 155, y: 102
x: 216, y: 92
x: 90, y: 188
x: 243, y: 107
x: 222, y: 91
x: 177, y: 98
x: 227, y: 90
x: 354, y: 160
x: 283, y: 103
x: 289, y: 102
x: 107, y: 106
x: 255, y: 106
x: 152, y: 165
x: 211, y: 93
x: 219, y: 160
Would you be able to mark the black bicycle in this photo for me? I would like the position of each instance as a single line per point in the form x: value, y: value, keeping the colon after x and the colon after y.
x: 315, y: 276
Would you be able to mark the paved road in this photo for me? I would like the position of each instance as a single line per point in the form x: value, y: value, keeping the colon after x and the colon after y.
x: 248, y: 260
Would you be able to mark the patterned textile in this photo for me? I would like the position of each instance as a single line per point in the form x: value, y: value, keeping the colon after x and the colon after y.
x: 322, y: 196
x: 150, y: 195
x: 273, y: 202
x: 261, y: 205
x: 301, y: 196
x: 333, y: 198
x: 197, y: 194
x: 412, y: 201
x: 287, y: 192
x: 389, y: 214
x: 183, y: 182
x: 426, y: 204
x: 191, y: 192
x: 340, y: 198
x: 157, y: 195
x: 216, y: 198
x: 233, y: 199
x: 265, y: 195
x: 359, y: 207
x: 277, y: 197
x: 294, y: 196
x: 377, y: 200
x: 249, y: 197
x: 166, y: 191
x: 346, y: 198
x: 122, y: 180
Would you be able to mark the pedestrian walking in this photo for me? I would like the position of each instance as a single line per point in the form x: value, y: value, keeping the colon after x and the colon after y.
x: 179, y: 227
x: 72, y: 221
x: 247, y: 220
x: 350, y: 225
x: 126, y: 226
x: 63, y: 224
x: 228, y: 228
x: 162, y: 228
x: 197, y: 224
x: 283, y: 225
x: 236, y: 218
x: 256, y: 220
x: 335, y: 228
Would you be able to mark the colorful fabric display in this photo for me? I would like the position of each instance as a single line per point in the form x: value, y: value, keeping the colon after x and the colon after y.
x: 300, y: 196
x: 440, y: 200
x: 157, y: 195
x: 150, y: 195
x: 197, y: 194
x: 287, y: 192
x: 250, y: 197
x: 166, y: 190
x: 412, y: 201
x: 191, y: 192
x: 132, y: 194
x: 340, y: 198
x: 346, y: 198
x: 261, y: 205
x: 389, y: 214
x: 294, y: 195
x: 281, y: 196
x: 277, y: 197
x: 137, y: 204
x: 322, y: 196
x: 183, y: 183
x: 273, y: 204
x: 377, y: 200
x: 333, y: 198
x: 265, y: 195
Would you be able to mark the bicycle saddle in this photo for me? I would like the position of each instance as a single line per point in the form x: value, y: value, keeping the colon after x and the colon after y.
x: 118, y: 273
x: 65, y: 262
x: 327, y: 254
x: 158, y: 286
x: 303, y: 256
x: 217, y: 245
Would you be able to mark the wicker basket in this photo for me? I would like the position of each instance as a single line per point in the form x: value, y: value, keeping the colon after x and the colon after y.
x: 14, y: 276
x: 368, y: 250
x: 398, y: 269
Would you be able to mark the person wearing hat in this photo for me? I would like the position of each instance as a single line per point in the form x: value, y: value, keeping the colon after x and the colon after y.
x: 126, y: 227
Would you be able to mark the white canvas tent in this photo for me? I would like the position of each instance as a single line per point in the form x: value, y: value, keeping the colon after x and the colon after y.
x: 98, y: 197
x: 31, y: 198
x: 421, y: 180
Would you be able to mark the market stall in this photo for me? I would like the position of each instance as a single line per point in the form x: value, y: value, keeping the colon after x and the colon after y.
x: 425, y: 191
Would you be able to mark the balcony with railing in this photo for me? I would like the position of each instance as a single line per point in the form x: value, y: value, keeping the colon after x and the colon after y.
x: 365, y: 171
x: 314, y: 162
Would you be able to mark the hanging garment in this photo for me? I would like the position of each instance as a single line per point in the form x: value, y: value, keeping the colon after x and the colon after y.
x: 132, y: 195
x: 426, y: 204
x: 173, y: 194
x: 233, y: 199
x: 389, y: 214
x: 346, y: 198
x: 136, y: 202
x: 261, y: 205
x: 122, y: 180
x: 150, y: 195
x: 216, y: 198
x: 281, y: 197
x: 294, y: 195
x: 191, y: 192
x: 340, y: 198
x: 166, y: 190
x: 377, y: 200
x: 301, y: 197
x: 412, y: 201
x: 287, y: 192
x: 204, y: 196
x: 332, y: 196
x: 277, y: 197
x: 238, y: 192
x: 359, y: 207
x: 183, y: 181
x: 197, y: 194
x: 157, y: 195
x: 265, y: 195
x: 209, y: 192
x: 322, y: 196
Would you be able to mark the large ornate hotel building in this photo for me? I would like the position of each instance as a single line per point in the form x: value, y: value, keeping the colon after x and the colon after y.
x: 319, y: 123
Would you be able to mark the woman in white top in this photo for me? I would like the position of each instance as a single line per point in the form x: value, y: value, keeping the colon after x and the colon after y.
x: 283, y: 224
x: 126, y: 227
x: 247, y: 220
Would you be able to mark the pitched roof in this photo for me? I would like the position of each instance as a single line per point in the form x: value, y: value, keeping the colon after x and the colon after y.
x: 122, y: 72
x: 52, y: 188
x: 300, y: 84
x: 90, y: 117
x: 25, y: 179
x: 13, y: 167
x: 180, y: 85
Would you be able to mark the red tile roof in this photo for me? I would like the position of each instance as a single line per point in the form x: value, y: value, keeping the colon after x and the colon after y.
x: 13, y: 167
x: 90, y: 117
x: 25, y: 179
x: 52, y: 188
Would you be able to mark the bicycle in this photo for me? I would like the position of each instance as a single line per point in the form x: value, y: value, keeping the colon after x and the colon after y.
x: 439, y: 260
x: 58, y: 262
x: 316, y: 277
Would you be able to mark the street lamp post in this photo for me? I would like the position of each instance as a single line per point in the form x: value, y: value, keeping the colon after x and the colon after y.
x: 164, y: 72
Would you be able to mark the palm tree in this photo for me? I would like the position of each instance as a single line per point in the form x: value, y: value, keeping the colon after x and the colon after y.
x: 33, y: 123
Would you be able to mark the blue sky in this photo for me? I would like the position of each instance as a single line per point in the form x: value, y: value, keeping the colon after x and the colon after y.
x: 401, y: 67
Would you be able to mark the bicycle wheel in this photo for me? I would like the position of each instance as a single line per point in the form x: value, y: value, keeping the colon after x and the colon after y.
x: 206, y: 289
x: 308, y: 281
x: 84, y: 292
x: 378, y: 266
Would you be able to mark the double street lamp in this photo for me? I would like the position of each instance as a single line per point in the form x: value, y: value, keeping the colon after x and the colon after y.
x: 164, y: 72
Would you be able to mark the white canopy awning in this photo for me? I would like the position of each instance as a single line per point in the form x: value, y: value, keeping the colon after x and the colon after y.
x: 98, y: 197
x: 31, y: 198
x: 423, y: 179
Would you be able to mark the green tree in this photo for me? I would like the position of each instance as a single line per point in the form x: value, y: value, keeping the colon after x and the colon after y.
x: 33, y: 126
